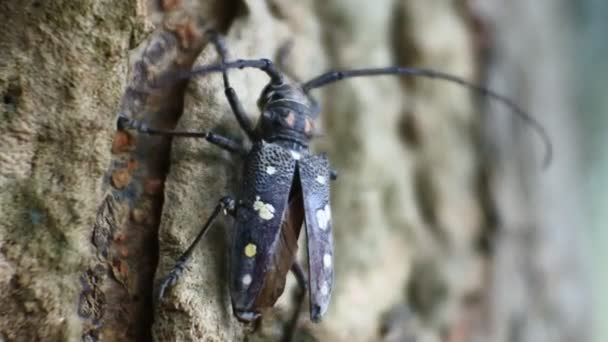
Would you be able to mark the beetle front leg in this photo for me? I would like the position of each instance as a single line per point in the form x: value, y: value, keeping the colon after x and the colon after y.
x: 233, y: 99
x: 228, y: 206
x: 216, y: 139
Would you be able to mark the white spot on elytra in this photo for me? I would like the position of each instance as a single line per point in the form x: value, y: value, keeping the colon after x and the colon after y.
x: 324, y: 289
x: 323, y: 217
x: 295, y: 155
x: 271, y: 170
x: 320, y: 180
x: 327, y: 260
x: 246, y: 279
x: 265, y: 210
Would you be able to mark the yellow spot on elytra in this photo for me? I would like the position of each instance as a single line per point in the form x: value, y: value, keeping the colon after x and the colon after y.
x: 250, y: 250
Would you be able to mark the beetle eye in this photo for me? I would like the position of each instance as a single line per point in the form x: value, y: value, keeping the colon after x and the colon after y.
x: 269, y: 116
x: 276, y: 119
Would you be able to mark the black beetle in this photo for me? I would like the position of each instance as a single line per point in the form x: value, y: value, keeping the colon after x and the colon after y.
x: 284, y: 186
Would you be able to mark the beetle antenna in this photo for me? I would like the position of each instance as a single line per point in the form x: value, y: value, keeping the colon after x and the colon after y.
x: 263, y: 64
x: 338, y: 75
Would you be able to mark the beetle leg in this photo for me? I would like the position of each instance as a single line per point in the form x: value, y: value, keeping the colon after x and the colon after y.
x: 333, y: 174
x: 214, y: 138
x: 228, y: 206
x: 290, y: 328
x: 233, y: 99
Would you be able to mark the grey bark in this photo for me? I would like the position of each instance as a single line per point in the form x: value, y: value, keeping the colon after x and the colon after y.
x: 539, y: 288
x: 92, y: 218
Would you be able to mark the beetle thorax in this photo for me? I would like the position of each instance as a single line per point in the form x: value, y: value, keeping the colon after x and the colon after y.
x: 287, y: 114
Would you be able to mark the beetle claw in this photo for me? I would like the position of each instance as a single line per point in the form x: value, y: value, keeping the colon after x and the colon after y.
x: 333, y: 175
x: 228, y: 205
x: 170, y: 280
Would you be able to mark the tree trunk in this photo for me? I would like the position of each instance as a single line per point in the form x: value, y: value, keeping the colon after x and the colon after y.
x: 62, y: 66
x: 539, y: 285
x: 92, y: 218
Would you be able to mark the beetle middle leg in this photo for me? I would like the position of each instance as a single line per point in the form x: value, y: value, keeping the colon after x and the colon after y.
x: 214, y: 138
x: 228, y: 206
x: 290, y: 328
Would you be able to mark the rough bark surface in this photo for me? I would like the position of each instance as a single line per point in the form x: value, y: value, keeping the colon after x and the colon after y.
x: 62, y: 66
x: 92, y: 218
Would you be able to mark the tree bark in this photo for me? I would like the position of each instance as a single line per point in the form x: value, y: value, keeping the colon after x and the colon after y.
x: 539, y: 278
x: 92, y: 218
x: 61, y: 76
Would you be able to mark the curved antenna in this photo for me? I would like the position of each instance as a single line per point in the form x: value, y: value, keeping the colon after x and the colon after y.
x: 338, y: 75
x: 263, y: 64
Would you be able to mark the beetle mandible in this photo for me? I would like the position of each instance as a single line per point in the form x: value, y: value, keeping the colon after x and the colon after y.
x: 284, y: 186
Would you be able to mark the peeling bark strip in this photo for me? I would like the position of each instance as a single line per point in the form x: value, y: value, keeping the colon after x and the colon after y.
x: 116, y: 298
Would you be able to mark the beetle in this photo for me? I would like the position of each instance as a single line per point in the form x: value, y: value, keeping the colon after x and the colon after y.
x: 284, y: 186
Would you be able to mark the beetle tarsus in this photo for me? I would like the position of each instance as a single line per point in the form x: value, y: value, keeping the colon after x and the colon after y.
x: 124, y: 123
x: 171, y: 279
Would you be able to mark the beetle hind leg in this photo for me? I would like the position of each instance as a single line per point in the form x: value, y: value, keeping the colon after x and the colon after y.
x: 290, y: 328
x: 228, y: 206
